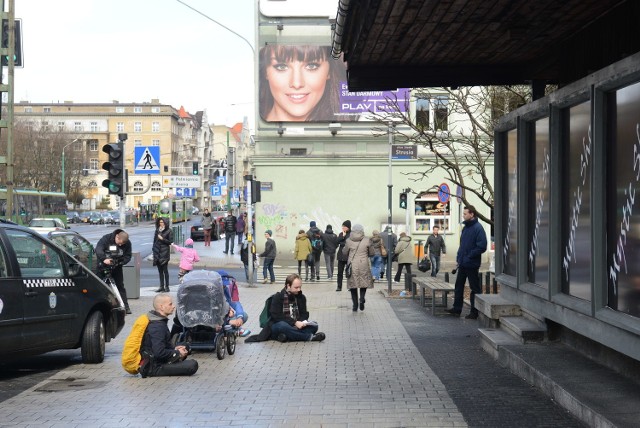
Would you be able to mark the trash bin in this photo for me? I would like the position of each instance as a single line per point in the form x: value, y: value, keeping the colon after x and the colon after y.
x: 131, y: 274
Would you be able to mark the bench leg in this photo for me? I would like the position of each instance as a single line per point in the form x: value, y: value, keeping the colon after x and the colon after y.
x: 444, y: 298
x: 422, y: 297
x: 433, y: 302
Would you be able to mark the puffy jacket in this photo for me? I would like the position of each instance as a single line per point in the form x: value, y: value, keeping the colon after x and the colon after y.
x: 473, y: 242
x: 404, y: 250
x: 230, y: 223
x: 157, y: 340
x: 123, y: 255
x: 330, y: 242
x: 162, y: 247
x: 270, y: 251
x: 188, y: 258
x: 342, y: 240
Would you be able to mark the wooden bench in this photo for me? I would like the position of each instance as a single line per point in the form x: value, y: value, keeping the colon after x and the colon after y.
x: 435, y: 285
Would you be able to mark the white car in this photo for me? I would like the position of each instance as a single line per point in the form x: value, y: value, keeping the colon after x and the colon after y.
x: 46, y: 225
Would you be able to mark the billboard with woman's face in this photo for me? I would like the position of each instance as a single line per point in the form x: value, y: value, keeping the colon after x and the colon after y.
x: 305, y: 84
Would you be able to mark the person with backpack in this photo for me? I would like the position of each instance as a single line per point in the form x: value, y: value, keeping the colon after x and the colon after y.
x: 390, y: 240
x: 315, y: 237
x: 302, y: 253
x: 289, y: 316
x: 329, y: 247
x: 159, y: 357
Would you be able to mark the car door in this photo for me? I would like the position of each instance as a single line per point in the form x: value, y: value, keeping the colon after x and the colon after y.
x: 77, y: 245
x: 11, y: 306
x: 50, y: 297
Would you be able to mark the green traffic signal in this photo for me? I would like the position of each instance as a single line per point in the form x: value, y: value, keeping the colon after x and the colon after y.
x: 115, y: 168
x: 195, y: 168
x: 403, y: 201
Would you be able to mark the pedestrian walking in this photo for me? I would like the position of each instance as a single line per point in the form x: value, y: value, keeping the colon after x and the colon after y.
x: 315, y: 236
x: 435, y: 246
x: 162, y: 240
x: 377, y: 253
x: 390, y: 240
x: 245, y: 249
x: 302, y: 253
x: 240, y: 226
x: 405, y: 255
x: 356, y: 250
x: 329, y: 247
x: 342, y: 260
x: 229, y: 232
x: 473, y: 242
x: 269, y: 255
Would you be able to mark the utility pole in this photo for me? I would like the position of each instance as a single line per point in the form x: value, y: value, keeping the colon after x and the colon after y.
x: 389, y: 207
x: 7, y: 123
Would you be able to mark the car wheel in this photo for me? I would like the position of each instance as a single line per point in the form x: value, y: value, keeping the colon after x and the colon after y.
x: 93, y: 339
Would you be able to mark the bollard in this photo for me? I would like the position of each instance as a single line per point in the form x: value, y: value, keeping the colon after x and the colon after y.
x: 446, y: 277
x: 487, y: 281
x: 495, y: 286
x: 413, y: 286
x: 480, y: 282
x: 408, y: 280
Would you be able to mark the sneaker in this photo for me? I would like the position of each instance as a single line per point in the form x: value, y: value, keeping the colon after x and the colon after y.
x: 317, y: 278
x: 282, y: 338
x: 225, y: 252
x: 318, y: 337
x: 232, y: 253
x: 244, y: 333
x: 272, y: 282
x: 472, y: 316
x: 264, y: 281
x: 453, y: 312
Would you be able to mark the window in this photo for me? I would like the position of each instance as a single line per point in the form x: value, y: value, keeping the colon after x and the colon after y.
x: 30, y: 125
x: 137, y: 127
x: 155, y: 127
x: 46, y: 109
x: 93, y: 163
x: 120, y: 127
x: 94, y: 127
x: 432, y: 113
x: 138, y: 186
x: 93, y: 145
x: 45, y: 125
x: 429, y: 212
x: 156, y: 186
x: 61, y: 126
x: 137, y: 143
x: 77, y: 146
x: 155, y: 109
x: 511, y: 208
x: 28, y: 109
x: 155, y: 142
x: 119, y: 109
x: 77, y: 126
x: 37, y: 259
x: 137, y: 109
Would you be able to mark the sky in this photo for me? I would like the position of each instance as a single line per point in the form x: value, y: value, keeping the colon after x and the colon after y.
x: 136, y: 50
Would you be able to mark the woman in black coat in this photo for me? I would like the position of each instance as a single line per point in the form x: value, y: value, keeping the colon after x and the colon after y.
x: 162, y: 241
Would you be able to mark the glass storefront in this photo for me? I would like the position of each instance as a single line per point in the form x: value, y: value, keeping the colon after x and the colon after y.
x: 538, y: 255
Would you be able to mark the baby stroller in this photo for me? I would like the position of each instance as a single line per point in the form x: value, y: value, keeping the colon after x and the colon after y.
x: 202, y: 314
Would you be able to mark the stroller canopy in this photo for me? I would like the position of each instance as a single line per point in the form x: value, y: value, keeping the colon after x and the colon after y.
x: 201, y: 300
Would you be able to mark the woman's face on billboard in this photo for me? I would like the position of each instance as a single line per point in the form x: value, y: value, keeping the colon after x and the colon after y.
x: 296, y: 87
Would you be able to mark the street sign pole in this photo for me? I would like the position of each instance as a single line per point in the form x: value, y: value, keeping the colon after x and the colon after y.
x: 389, y: 207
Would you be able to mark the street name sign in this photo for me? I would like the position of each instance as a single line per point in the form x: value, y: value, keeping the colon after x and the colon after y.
x: 181, y: 181
x: 403, y: 152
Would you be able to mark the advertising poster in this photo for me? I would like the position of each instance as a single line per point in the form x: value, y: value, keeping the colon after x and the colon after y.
x: 303, y: 83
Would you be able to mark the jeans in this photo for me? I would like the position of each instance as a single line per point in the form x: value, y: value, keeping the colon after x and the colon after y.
x: 376, y: 265
x: 329, y: 260
x: 229, y: 237
x: 207, y: 237
x: 474, y: 285
x: 246, y: 271
x: 179, y: 368
x: 341, y: 266
x: 435, y: 264
x: 292, y: 333
x: 239, y: 235
x: 315, y: 270
x: 268, y: 266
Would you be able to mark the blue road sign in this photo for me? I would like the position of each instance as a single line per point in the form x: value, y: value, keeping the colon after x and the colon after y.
x: 459, y: 194
x: 443, y: 193
x: 146, y: 160
x: 188, y: 192
x: 216, y: 191
x: 222, y: 180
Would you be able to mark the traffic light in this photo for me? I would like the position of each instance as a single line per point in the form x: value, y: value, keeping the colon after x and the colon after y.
x: 115, y: 167
x: 255, y: 191
x: 17, y: 55
x: 195, y: 168
x: 403, y: 201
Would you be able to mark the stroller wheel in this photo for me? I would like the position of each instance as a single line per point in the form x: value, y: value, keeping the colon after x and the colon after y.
x: 231, y: 343
x: 220, y: 346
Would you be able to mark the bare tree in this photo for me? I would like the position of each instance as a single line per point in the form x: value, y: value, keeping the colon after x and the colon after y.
x: 457, y: 126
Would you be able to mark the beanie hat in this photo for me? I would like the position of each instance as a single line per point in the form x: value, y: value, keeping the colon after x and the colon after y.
x: 358, y: 228
x: 188, y: 242
x: 329, y: 227
x: 312, y: 224
x: 269, y: 232
x: 347, y: 223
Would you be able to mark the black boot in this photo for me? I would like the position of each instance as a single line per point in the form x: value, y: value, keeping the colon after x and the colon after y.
x: 160, y: 290
x: 362, y: 293
x: 354, y: 299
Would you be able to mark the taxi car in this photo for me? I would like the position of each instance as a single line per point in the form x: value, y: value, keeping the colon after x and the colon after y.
x: 49, y: 300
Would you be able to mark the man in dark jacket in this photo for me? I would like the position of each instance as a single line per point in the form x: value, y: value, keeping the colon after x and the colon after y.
x: 473, y: 242
x: 159, y: 357
x: 387, y: 235
x: 315, y: 237
x: 289, y: 315
x: 434, y: 247
x: 229, y: 231
x: 329, y: 247
x: 113, y: 251
x: 342, y: 259
x: 269, y: 254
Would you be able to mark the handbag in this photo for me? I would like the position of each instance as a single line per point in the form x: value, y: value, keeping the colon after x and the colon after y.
x: 424, y: 265
x: 383, y: 251
x: 347, y: 270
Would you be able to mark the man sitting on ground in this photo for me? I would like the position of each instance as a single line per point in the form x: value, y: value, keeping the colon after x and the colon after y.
x: 289, y: 315
x: 159, y: 356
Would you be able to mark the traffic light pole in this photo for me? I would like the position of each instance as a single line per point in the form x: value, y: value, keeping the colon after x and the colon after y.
x: 389, y: 206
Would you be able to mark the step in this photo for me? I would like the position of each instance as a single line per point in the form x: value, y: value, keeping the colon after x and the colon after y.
x: 492, y: 339
x: 523, y: 329
x: 494, y: 306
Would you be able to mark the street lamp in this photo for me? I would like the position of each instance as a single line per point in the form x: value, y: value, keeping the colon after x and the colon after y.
x: 63, y: 162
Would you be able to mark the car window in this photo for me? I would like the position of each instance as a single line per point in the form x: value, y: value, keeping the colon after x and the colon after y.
x: 79, y: 247
x: 42, y: 223
x: 3, y: 263
x: 37, y: 259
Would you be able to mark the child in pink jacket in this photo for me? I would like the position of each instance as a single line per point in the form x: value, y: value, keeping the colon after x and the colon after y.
x: 188, y: 258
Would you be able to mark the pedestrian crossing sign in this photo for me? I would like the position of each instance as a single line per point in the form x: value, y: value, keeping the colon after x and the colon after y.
x: 147, y: 160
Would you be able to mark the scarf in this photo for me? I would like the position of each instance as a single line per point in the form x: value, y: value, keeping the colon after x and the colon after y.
x: 290, y: 311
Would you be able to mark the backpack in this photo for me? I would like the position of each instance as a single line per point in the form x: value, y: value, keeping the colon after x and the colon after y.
x: 131, y: 349
x: 265, y: 315
x: 232, y: 286
x: 316, y: 243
